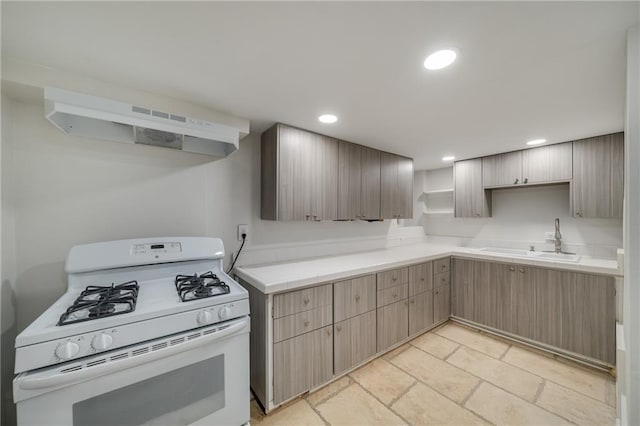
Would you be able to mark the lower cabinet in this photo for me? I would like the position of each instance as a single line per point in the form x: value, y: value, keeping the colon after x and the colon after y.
x: 420, y: 312
x: 301, y: 363
x: 568, y: 310
x: 441, y: 303
x: 354, y: 341
x: 392, y: 324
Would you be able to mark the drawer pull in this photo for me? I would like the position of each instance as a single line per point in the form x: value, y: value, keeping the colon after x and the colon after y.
x: 512, y: 268
x: 422, y: 279
x: 306, y: 301
x: 412, y: 301
x: 394, y: 295
x: 339, y: 328
x: 357, y: 298
x: 522, y: 270
x: 437, y: 292
x: 443, y: 279
x: 394, y: 278
x: 306, y: 323
x: 443, y: 266
x: 328, y: 332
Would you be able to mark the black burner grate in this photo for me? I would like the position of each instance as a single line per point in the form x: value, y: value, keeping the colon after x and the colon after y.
x: 102, y: 301
x: 194, y: 287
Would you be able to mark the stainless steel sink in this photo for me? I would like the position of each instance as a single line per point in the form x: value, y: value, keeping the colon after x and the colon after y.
x: 556, y: 257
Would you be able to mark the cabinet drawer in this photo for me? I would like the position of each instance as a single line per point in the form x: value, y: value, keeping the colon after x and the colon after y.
x: 443, y: 278
x: 420, y: 278
x: 441, y: 265
x: 354, y: 297
x: 301, y: 300
x: 302, y: 322
x: 393, y: 278
x: 392, y: 294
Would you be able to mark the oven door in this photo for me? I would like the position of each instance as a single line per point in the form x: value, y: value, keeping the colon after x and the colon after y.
x: 200, y: 378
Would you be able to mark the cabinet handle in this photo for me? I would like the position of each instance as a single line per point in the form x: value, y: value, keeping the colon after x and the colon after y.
x: 522, y: 270
x: 437, y: 292
x: 579, y: 214
x: 394, y: 278
x: 338, y: 328
x: 511, y: 268
x: 395, y: 295
x: 422, y: 279
x: 412, y: 301
x: 306, y: 301
x: 315, y: 217
x: 308, y: 216
x: 516, y: 181
x: 443, y: 279
x: 306, y: 323
x: 526, y: 180
x: 443, y: 267
x: 477, y: 214
x: 328, y: 332
x: 357, y: 297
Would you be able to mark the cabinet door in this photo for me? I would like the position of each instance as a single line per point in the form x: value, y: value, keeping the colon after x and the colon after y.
x: 301, y: 363
x: 354, y: 341
x: 420, y: 312
x: 349, y: 181
x: 392, y: 324
x: 370, y: 181
x: 470, y: 199
x: 598, y: 173
x: 523, y: 285
x: 324, y: 178
x: 294, y: 173
x: 389, y: 197
x: 420, y: 278
x: 502, y: 169
x: 462, y: 283
x: 549, y: 307
x: 404, y: 207
x: 548, y: 163
x: 441, y: 303
x: 484, y: 294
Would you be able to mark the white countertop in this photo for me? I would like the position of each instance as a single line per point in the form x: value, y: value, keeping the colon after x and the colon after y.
x: 278, y: 277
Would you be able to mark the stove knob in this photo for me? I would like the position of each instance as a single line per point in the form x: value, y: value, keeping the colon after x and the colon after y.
x: 101, y: 342
x: 204, y: 317
x: 224, y: 312
x: 67, y: 350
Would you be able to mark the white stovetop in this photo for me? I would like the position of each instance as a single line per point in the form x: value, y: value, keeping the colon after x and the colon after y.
x: 278, y: 277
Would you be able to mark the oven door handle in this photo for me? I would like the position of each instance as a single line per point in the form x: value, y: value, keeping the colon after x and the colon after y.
x: 53, y: 378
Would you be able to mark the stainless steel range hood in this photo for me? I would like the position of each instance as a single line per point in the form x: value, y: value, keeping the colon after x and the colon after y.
x: 90, y: 116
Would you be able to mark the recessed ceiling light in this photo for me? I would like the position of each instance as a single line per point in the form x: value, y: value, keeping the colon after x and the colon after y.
x: 448, y: 158
x: 328, y: 118
x: 536, y: 141
x: 440, y: 59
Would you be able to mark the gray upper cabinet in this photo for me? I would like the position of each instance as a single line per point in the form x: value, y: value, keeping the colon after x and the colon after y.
x: 358, y: 182
x: 502, y: 169
x: 598, y: 176
x: 299, y: 175
x: 551, y: 163
x: 471, y: 200
x: 396, y: 186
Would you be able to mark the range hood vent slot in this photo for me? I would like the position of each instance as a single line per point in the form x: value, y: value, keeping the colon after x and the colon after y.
x: 90, y: 116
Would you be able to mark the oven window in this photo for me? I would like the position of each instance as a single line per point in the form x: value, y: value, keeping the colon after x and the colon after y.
x: 179, y: 397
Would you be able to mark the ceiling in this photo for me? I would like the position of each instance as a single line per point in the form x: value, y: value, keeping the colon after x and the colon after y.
x: 525, y: 70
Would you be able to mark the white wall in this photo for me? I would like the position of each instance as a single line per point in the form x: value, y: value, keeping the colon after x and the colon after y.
x: 521, y: 216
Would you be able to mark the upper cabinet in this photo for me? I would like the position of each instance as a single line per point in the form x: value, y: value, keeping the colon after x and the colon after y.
x: 307, y: 176
x: 299, y: 175
x: 396, y: 186
x: 470, y: 198
x: 551, y: 163
x: 502, y: 169
x: 598, y: 176
x: 358, y: 182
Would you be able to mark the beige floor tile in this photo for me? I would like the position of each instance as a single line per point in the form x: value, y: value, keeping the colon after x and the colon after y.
x: 391, y: 354
x: 576, y: 407
x: 587, y: 382
x: 502, y: 408
x: 354, y: 406
x: 424, y: 406
x: 297, y: 414
x: 443, y: 377
x: 435, y: 345
x: 383, y: 380
x: 329, y: 390
x: 474, y: 339
x: 501, y: 374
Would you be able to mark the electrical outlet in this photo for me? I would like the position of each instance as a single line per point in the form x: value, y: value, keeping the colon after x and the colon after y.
x: 550, y: 235
x: 243, y: 229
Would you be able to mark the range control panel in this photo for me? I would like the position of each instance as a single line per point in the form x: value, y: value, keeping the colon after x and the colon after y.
x: 151, y: 249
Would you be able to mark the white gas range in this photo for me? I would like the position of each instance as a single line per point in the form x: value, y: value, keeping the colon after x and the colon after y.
x: 149, y: 331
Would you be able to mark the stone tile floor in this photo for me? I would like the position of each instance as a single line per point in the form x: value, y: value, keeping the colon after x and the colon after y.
x: 456, y: 376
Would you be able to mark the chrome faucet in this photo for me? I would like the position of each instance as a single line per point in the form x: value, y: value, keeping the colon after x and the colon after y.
x: 558, y: 237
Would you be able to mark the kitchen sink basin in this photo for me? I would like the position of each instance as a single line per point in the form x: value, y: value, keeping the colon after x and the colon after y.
x: 556, y: 257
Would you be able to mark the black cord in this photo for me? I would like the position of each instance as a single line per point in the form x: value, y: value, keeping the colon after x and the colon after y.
x: 244, y: 238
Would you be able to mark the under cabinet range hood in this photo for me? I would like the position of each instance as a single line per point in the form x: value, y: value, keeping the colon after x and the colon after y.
x: 95, y: 117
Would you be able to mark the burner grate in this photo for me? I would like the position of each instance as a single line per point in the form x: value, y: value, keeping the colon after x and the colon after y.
x: 101, y: 301
x: 194, y: 287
